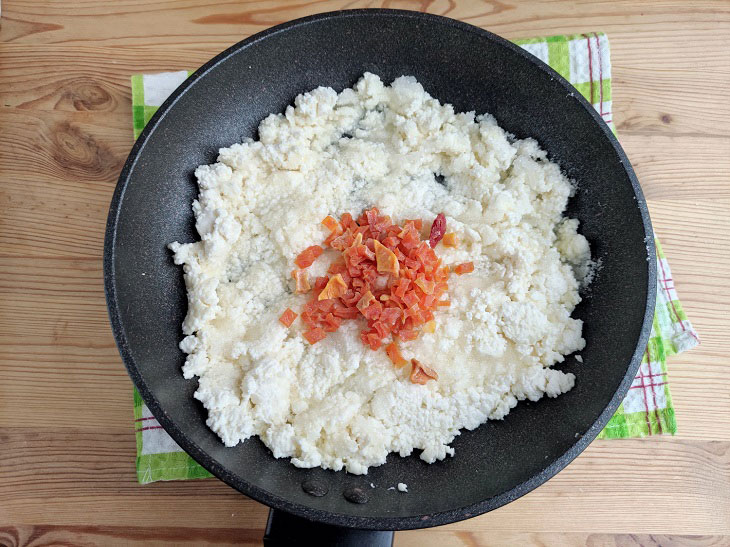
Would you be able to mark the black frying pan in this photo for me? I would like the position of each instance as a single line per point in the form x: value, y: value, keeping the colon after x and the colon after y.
x: 457, y: 63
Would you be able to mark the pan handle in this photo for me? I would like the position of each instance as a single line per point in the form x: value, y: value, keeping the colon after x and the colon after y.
x: 285, y: 529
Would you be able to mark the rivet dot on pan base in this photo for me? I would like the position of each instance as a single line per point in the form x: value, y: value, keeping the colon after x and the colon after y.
x: 356, y: 495
x: 315, y: 488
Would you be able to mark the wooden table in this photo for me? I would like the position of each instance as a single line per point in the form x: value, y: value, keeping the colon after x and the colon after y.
x: 66, y: 435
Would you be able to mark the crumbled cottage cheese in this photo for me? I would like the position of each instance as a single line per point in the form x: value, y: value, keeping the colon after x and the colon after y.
x: 338, y: 404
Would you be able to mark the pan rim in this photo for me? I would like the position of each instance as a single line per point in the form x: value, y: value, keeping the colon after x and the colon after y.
x: 323, y: 516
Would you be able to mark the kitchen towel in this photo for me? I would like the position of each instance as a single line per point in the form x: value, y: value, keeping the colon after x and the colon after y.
x: 582, y: 59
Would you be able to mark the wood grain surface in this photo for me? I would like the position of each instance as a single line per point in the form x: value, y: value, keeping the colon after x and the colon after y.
x: 66, y: 435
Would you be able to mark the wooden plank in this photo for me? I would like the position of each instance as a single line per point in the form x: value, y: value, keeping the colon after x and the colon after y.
x: 59, y: 173
x: 136, y: 22
x: 39, y: 77
x: 83, y: 146
x: 75, y: 470
x: 60, y: 300
x: 701, y: 174
x: 642, y: 109
x: 438, y: 538
x: 130, y: 536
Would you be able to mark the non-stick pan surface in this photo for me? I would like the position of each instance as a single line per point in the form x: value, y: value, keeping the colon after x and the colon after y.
x: 225, y: 100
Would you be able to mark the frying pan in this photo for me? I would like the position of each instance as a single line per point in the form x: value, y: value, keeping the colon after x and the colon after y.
x: 457, y: 63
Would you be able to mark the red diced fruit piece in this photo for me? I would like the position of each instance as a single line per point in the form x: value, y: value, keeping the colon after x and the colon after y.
x: 343, y: 241
x: 345, y: 312
x: 337, y: 267
x: 374, y: 341
x: 331, y: 323
x: 438, y: 229
x: 371, y: 217
x: 409, y: 240
x: 320, y: 283
x: 288, y: 317
x: 307, y: 257
x: 401, y: 288
x: 315, y: 335
x: 372, y: 311
x: 308, y: 320
x: 408, y: 227
x: 466, y: 267
x: 389, y: 316
x: 410, y: 299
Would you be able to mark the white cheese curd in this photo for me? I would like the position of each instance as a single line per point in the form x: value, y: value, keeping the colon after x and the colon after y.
x: 337, y: 404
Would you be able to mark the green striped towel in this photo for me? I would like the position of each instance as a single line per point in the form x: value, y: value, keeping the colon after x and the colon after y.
x: 582, y: 59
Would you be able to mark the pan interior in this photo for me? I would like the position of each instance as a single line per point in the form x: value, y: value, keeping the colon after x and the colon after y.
x: 456, y: 64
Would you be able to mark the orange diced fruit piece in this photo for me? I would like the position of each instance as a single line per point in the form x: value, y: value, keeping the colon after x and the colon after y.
x: 410, y: 299
x: 407, y: 228
x: 346, y: 220
x: 307, y: 257
x: 331, y: 224
x: 337, y: 266
x: 334, y: 288
x: 331, y: 238
x: 450, y: 240
x: 395, y: 355
x: 386, y: 260
x: 288, y: 317
x: 420, y: 373
x: 331, y: 323
x: 365, y: 301
x: 316, y: 334
x: 425, y: 285
x: 301, y: 280
x: 466, y: 267
x: 417, y: 223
